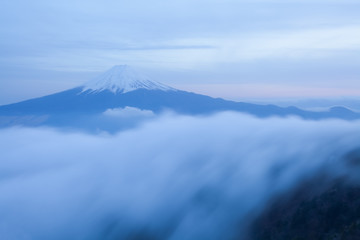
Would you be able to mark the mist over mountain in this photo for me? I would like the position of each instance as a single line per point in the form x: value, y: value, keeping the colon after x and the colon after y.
x: 231, y: 120
x: 155, y: 162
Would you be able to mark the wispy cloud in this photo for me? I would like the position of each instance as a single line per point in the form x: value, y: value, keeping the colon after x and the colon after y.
x: 301, y: 43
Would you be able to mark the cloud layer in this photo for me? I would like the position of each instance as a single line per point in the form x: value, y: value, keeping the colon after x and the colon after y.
x: 176, y: 178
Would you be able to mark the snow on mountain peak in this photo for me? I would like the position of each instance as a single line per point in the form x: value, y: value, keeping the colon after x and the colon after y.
x: 122, y: 79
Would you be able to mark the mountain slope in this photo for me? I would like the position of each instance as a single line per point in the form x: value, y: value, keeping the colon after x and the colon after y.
x: 121, y: 86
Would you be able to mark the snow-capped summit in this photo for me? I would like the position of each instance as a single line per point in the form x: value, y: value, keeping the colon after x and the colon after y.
x: 122, y: 79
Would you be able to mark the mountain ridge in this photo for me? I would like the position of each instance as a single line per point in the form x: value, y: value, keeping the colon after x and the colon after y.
x: 63, y: 108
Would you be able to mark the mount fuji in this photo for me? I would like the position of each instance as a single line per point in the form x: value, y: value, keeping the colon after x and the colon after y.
x: 121, y: 87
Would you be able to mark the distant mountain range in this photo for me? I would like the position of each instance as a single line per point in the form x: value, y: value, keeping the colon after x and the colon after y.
x: 122, y: 86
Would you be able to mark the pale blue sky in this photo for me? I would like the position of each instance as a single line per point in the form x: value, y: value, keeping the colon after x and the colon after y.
x: 234, y: 49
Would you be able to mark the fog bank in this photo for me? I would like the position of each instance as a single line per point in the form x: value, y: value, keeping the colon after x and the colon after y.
x: 176, y: 177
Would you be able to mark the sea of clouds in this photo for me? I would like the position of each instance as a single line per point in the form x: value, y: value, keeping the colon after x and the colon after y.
x: 172, y: 177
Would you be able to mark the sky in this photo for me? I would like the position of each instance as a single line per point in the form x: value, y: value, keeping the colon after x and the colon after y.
x: 235, y: 49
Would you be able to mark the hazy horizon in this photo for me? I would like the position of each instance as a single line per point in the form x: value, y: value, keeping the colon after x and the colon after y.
x: 235, y: 92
